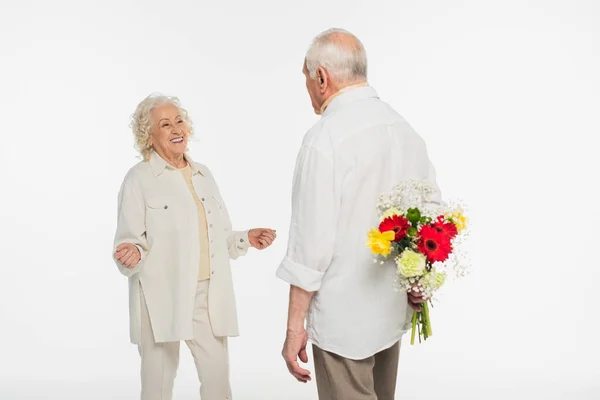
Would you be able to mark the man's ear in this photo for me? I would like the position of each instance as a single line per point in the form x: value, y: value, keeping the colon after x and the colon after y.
x: 322, y: 78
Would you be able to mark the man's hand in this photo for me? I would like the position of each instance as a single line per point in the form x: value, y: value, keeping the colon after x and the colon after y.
x: 415, y: 299
x: 128, y: 255
x: 296, y: 337
x: 294, y: 348
x: 261, y: 238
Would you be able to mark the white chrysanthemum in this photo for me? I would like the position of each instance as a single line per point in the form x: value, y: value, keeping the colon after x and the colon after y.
x: 390, y: 212
x: 411, y: 264
x: 433, y: 280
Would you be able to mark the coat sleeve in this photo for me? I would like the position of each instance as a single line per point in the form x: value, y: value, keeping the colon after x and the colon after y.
x: 131, y: 225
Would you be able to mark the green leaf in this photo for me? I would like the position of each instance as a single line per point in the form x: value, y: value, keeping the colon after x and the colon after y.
x: 403, y: 244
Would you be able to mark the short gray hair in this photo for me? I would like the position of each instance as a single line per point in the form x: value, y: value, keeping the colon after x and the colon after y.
x: 141, y: 124
x: 341, y: 53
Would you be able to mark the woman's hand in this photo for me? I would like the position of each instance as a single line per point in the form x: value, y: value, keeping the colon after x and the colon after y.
x: 128, y: 255
x: 261, y: 238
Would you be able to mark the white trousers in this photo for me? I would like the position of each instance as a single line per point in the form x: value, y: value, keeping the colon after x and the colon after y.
x: 160, y: 360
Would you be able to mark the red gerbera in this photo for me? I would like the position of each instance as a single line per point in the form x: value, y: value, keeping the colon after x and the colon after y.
x: 434, y: 244
x: 396, y: 223
x: 447, y: 227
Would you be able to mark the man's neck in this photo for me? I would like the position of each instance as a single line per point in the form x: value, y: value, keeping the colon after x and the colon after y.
x: 339, y: 92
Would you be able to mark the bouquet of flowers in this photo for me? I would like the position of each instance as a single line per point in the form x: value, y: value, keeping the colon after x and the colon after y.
x: 424, y: 239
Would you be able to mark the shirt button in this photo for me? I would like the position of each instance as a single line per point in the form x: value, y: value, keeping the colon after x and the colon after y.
x: 212, y: 273
x: 212, y: 256
x: 209, y: 211
x: 211, y: 225
x: 166, y: 207
x: 241, y: 240
x: 203, y: 199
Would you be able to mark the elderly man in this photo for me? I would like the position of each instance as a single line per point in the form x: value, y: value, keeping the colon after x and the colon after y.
x: 359, y: 149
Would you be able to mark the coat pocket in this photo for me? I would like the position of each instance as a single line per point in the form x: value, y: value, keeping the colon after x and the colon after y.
x: 162, y: 215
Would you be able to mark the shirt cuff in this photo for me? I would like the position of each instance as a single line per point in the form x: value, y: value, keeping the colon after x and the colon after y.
x: 299, y: 275
x: 141, y: 252
x: 241, y: 240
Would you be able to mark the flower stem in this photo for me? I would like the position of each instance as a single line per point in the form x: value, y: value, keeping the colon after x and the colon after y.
x: 426, y: 321
x: 419, y: 326
x: 414, y: 328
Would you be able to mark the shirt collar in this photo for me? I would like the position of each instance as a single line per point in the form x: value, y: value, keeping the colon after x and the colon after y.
x: 347, y: 95
x: 158, y: 164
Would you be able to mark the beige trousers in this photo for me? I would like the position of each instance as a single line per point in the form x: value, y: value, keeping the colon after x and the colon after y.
x: 373, y: 378
x: 160, y: 360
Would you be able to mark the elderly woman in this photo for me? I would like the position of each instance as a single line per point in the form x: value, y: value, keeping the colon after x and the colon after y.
x: 174, y: 240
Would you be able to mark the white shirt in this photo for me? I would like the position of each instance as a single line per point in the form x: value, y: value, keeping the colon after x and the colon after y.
x: 158, y: 214
x: 359, y: 149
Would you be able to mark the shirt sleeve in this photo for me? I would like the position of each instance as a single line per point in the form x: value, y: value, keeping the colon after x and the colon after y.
x: 315, y: 209
x: 131, y: 226
x: 436, y: 196
x: 417, y: 165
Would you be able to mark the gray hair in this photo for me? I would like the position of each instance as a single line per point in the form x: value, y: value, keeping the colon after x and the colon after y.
x: 339, y: 52
x: 141, y: 123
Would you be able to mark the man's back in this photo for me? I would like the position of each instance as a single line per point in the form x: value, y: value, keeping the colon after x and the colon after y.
x: 359, y: 150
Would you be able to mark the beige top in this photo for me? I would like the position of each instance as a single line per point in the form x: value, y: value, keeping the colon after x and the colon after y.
x: 204, y: 270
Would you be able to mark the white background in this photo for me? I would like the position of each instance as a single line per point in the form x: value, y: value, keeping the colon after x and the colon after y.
x: 506, y: 94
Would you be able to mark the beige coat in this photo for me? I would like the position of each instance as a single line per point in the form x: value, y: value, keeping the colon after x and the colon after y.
x: 157, y: 214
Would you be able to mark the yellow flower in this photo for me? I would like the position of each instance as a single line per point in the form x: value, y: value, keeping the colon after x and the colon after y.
x: 411, y: 264
x: 380, y: 242
x: 458, y: 219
